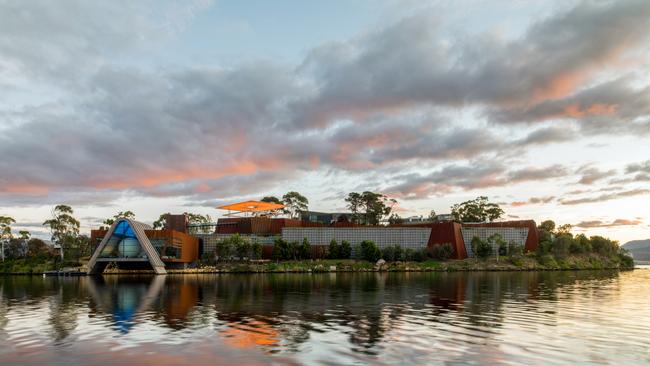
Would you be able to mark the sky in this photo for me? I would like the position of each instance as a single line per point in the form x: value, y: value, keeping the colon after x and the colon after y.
x: 174, y: 106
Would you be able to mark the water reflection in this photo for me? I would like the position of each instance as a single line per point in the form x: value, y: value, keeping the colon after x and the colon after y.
x: 316, y: 318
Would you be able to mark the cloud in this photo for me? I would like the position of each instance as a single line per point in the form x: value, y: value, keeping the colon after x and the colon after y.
x: 386, y: 100
x: 590, y: 174
x: 606, y: 197
x: 533, y: 201
x: 599, y: 223
x: 477, y: 176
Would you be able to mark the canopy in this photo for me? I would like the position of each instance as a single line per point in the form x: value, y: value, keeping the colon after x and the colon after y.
x: 252, y: 206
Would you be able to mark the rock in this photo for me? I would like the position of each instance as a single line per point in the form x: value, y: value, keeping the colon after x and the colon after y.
x: 332, y: 268
x: 380, y: 265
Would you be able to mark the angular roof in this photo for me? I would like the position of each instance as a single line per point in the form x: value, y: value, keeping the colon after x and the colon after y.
x: 252, y: 206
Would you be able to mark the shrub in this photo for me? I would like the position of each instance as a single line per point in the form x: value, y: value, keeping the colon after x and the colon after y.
x: 281, y: 249
x: 603, y: 245
x: 345, y: 250
x: 443, y: 251
x: 626, y: 259
x: 392, y: 253
x: 482, y: 249
x: 419, y: 255
x: 496, y: 241
x: 304, y: 252
x: 515, y: 249
x: 256, y: 249
x: 561, y: 245
x: 334, y: 251
x: 369, y: 251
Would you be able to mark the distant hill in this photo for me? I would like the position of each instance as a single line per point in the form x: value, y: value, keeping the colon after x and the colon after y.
x: 640, y: 249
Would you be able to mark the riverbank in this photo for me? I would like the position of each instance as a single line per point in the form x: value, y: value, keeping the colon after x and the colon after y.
x: 530, y: 262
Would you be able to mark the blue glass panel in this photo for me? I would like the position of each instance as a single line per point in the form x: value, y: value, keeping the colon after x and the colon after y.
x: 124, y: 229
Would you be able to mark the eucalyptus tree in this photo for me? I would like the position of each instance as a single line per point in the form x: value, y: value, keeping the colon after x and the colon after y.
x: 294, y: 202
x: 5, y: 233
x: 64, y: 227
x: 476, y: 210
x: 120, y: 215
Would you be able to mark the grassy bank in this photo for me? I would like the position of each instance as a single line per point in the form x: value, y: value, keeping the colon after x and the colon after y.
x: 33, y: 265
x: 530, y: 262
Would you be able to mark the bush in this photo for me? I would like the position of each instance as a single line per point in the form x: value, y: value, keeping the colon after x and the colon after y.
x: 420, y: 255
x: 482, y: 249
x: 562, y: 245
x: 256, y: 249
x: 392, y: 253
x: 281, y: 249
x: 304, y: 251
x: 334, y: 250
x: 515, y: 249
x: 345, y: 250
x: 626, y: 259
x: 443, y: 251
x: 369, y: 251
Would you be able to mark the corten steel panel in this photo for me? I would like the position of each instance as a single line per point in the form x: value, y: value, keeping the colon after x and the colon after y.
x: 260, y: 225
x: 176, y: 223
x: 532, y: 241
x: 189, y: 244
x: 444, y: 232
x: 96, y: 237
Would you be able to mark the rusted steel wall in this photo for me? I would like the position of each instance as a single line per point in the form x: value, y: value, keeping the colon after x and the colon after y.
x: 444, y: 232
x: 189, y: 244
x: 176, y: 223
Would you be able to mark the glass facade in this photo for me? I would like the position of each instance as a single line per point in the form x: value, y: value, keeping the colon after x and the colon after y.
x: 123, y: 243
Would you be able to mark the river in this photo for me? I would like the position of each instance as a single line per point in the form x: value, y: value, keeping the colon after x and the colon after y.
x: 523, y: 318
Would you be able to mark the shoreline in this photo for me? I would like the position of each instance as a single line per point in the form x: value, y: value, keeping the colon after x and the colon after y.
x: 526, y: 263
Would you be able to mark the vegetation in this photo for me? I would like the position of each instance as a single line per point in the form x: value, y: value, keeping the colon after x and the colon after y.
x: 369, y: 207
x: 476, y: 210
x: 120, y: 215
x: 236, y: 247
x: 294, y: 202
x: 192, y: 219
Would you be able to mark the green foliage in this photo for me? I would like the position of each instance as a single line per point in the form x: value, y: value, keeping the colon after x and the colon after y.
x: 120, y: 215
x: 160, y: 223
x: 476, y: 210
x: 271, y: 199
x: 625, y: 258
x: 497, y: 241
x: 281, y: 249
x: 442, y: 251
x: 345, y: 250
x: 64, y: 228
x: 395, y: 219
x: 256, y: 248
x: 481, y: 248
x: 369, y: 207
x: 333, y: 251
x: 294, y: 202
x: 515, y: 249
x: 369, y: 251
x: 392, y: 253
x: 304, y: 251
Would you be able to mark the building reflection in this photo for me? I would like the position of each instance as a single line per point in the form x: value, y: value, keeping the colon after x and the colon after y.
x: 283, y: 311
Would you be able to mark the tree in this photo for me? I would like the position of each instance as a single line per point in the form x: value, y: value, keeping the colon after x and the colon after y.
x: 271, y: 199
x: 120, y: 215
x: 395, y: 219
x: 37, y: 247
x: 63, y: 227
x: 564, y: 229
x: 345, y: 250
x: 5, y: 233
x: 198, y: 219
x: 369, y: 251
x: 375, y: 206
x: 160, y: 223
x: 304, y: 252
x: 333, y: 251
x: 294, y: 202
x: 476, y: 210
x: 433, y: 216
x: 481, y: 248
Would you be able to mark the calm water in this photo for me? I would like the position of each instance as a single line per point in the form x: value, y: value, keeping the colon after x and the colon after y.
x: 408, y: 318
